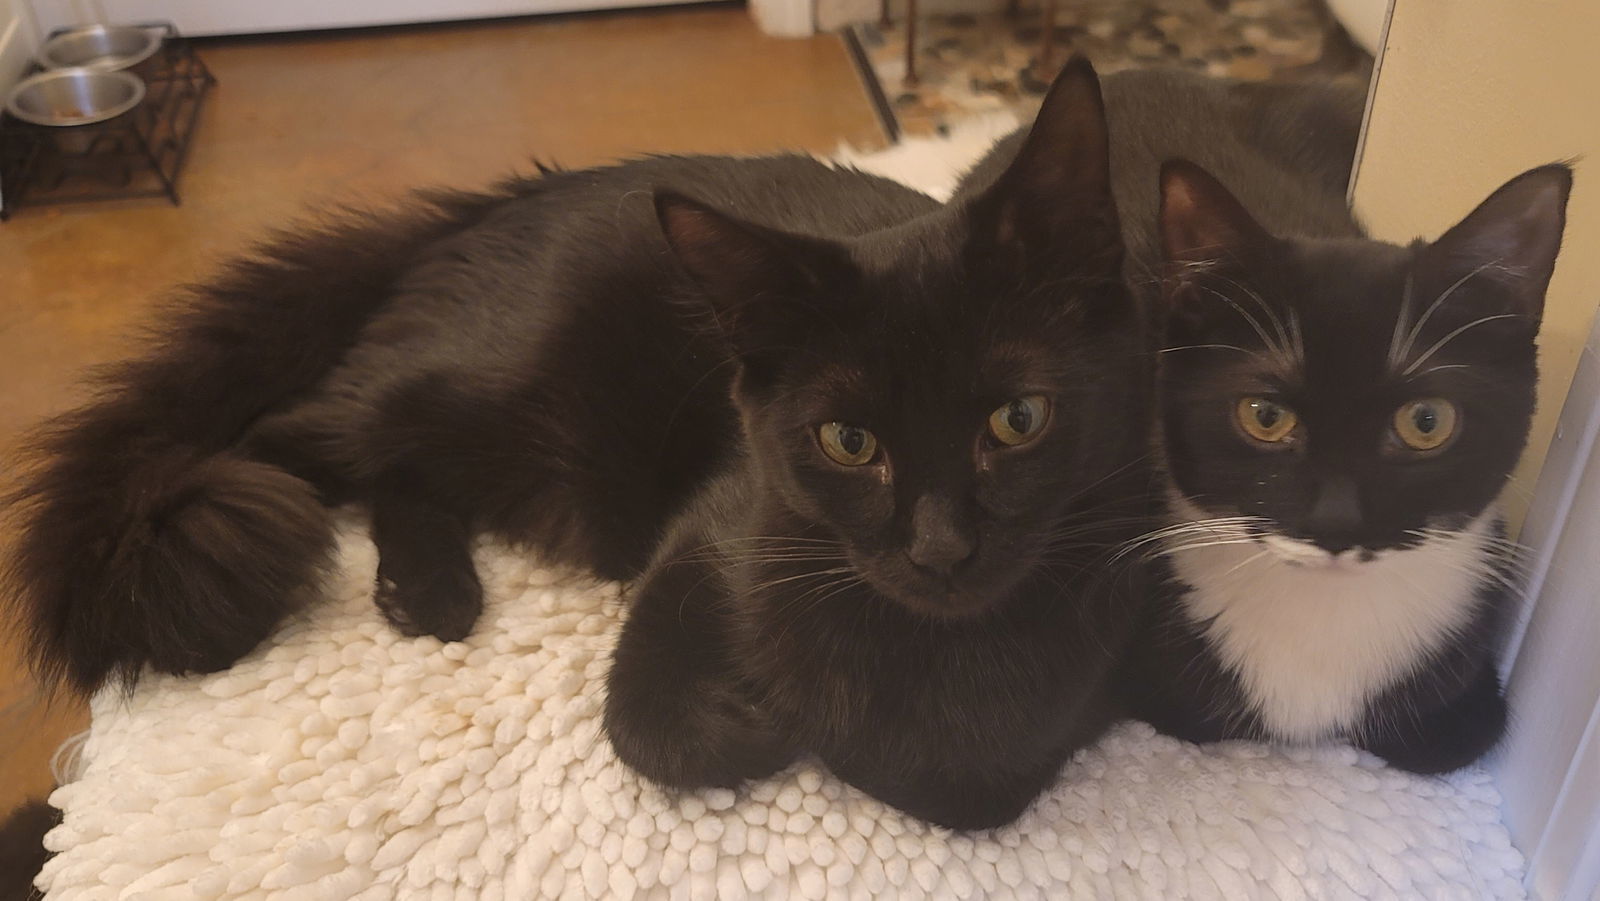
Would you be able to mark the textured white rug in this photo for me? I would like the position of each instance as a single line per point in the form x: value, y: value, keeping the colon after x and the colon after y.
x: 344, y: 761
x: 934, y: 165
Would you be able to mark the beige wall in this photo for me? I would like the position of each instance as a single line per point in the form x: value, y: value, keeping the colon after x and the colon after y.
x: 1470, y: 93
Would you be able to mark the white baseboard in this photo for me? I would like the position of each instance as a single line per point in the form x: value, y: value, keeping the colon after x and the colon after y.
x: 784, y: 18
x: 833, y: 15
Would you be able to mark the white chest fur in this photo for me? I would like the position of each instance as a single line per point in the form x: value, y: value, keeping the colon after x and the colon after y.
x: 1312, y: 638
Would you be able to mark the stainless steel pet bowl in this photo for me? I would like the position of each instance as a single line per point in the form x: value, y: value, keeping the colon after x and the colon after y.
x: 74, y: 96
x: 108, y: 48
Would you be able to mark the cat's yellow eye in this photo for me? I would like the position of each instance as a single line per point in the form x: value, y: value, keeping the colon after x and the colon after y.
x: 1019, y: 421
x: 1425, y: 424
x: 1265, y: 420
x: 846, y: 444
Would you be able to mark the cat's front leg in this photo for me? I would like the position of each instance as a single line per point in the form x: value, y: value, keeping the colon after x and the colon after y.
x: 427, y: 583
x: 1443, y: 738
x: 676, y: 710
x: 978, y: 795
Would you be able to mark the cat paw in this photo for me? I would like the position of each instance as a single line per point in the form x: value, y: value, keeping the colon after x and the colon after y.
x: 972, y: 798
x: 1446, y: 739
x: 446, y: 606
x: 701, y: 739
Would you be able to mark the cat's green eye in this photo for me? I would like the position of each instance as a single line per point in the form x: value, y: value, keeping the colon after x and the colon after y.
x: 1425, y: 424
x: 1019, y: 421
x: 847, y: 445
x: 1265, y: 420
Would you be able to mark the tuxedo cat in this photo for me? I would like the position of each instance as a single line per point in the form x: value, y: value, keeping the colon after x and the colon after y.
x: 1335, y: 418
x: 805, y: 378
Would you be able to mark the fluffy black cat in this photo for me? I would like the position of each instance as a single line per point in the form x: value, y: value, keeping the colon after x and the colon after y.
x: 808, y: 378
x: 526, y: 362
x: 1336, y: 417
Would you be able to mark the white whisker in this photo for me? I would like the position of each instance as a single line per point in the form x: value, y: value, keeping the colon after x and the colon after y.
x: 1167, y: 350
x: 1416, y: 330
x: 1201, y: 545
x: 1271, y: 314
x: 1450, y: 337
x: 1261, y: 332
x: 1395, y: 353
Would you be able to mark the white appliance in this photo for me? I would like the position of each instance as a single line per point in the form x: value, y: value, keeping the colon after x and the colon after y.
x: 202, y: 17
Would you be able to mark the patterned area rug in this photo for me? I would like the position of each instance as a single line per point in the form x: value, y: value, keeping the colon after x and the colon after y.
x: 972, y: 65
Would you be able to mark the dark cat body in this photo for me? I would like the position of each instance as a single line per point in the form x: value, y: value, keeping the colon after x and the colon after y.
x: 1445, y: 714
x: 959, y: 721
x: 546, y: 376
x: 174, y: 522
x: 922, y: 612
x: 1276, y: 144
x: 928, y: 619
x: 569, y: 363
x: 147, y: 534
x: 1290, y: 303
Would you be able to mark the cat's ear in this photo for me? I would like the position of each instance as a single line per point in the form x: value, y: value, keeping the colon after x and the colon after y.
x: 761, y: 284
x: 1054, y: 200
x: 1510, y: 241
x: 1200, y: 220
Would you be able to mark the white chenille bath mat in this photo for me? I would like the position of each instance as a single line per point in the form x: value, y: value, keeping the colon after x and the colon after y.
x: 344, y: 761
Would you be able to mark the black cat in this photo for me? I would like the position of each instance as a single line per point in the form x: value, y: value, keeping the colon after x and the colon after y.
x: 942, y: 428
x: 1335, y: 416
x: 523, y: 361
x: 938, y: 406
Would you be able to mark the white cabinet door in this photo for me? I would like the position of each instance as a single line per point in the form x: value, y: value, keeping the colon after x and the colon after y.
x: 198, y: 17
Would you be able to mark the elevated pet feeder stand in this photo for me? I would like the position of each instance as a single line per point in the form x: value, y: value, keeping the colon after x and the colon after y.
x: 138, y: 154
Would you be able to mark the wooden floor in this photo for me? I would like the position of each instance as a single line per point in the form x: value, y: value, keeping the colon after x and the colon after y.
x: 331, y: 118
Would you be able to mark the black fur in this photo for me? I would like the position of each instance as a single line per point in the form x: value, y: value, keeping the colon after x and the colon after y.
x: 546, y: 366
x: 1275, y: 141
x: 551, y: 376
x: 514, y: 362
x: 930, y: 622
x: 152, y: 533
x: 1445, y: 715
x: 22, y: 852
x: 1349, y: 482
x: 1287, y: 152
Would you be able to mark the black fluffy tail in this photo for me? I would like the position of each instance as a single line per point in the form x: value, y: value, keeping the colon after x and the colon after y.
x: 22, y: 852
x: 147, y: 534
